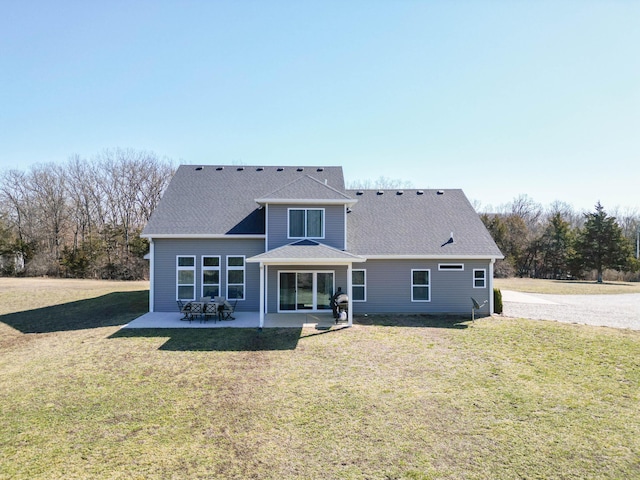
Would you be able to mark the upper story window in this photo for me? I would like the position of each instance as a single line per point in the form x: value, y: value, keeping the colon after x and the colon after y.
x: 306, y: 223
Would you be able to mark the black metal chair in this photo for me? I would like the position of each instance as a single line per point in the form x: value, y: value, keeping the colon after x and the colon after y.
x: 210, y: 310
x: 228, y: 310
x: 184, y: 308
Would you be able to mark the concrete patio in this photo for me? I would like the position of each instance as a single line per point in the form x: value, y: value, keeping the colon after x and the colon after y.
x: 242, y: 320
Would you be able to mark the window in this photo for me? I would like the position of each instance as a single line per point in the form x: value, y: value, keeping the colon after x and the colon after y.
x: 306, y: 223
x: 450, y: 267
x: 210, y: 276
x: 479, y: 278
x: 186, y: 277
x: 420, y: 286
x: 359, y: 285
x: 235, y: 278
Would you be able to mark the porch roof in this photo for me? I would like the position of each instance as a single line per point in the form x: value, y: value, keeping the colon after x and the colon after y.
x: 306, y: 252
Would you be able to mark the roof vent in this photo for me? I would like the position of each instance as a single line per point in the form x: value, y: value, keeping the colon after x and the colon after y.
x: 259, y: 169
x: 359, y: 192
x: 320, y: 169
x: 380, y: 192
x: 280, y: 169
x: 440, y: 192
x: 419, y: 192
x: 399, y: 192
x: 240, y: 169
x: 198, y: 169
x: 219, y: 168
x: 300, y: 169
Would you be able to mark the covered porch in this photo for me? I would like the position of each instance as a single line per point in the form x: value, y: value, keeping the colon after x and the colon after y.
x: 303, y: 280
x: 320, y: 321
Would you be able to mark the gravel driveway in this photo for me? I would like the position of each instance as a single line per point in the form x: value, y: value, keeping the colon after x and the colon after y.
x: 618, y: 311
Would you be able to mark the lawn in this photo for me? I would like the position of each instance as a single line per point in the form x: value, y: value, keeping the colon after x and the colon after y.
x: 565, y: 287
x: 391, y: 398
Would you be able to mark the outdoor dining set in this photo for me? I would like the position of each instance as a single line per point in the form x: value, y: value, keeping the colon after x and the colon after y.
x: 217, y: 309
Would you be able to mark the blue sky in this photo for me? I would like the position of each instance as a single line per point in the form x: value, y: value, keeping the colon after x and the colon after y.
x: 498, y: 98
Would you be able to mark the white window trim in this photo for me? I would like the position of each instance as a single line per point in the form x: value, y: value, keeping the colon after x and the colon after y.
x: 180, y: 268
x: 451, y: 267
x: 205, y: 269
x: 244, y: 276
x: 484, y: 279
x: 315, y: 293
x: 364, y: 285
x: 421, y: 285
x: 324, y: 218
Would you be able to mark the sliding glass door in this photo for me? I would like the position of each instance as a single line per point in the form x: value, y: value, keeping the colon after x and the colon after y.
x: 304, y: 291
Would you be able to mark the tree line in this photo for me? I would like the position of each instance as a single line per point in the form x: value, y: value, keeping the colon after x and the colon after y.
x: 83, y: 218
x: 561, y: 243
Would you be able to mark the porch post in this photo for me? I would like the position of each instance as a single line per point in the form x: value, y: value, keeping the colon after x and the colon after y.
x: 350, y: 294
x: 261, y: 295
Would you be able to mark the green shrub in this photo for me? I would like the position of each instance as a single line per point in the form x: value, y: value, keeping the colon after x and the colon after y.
x: 497, y: 300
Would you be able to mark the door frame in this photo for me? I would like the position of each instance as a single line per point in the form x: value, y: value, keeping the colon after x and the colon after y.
x: 314, y: 289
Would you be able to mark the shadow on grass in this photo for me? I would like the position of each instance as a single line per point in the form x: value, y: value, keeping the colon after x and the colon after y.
x: 109, y: 310
x: 218, y: 339
x: 418, y: 320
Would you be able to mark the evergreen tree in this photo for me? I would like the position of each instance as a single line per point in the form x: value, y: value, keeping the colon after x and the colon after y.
x: 555, y: 247
x: 601, y: 244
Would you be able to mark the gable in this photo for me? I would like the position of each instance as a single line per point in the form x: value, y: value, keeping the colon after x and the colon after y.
x: 306, y: 189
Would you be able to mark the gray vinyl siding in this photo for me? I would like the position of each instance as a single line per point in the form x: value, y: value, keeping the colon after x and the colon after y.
x: 277, y: 225
x: 340, y: 279
x: 166, y: 251
x: 389, y: 287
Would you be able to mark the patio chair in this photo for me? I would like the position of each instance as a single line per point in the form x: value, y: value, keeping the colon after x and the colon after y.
x: 210, y: 310
x: 197, y: 309
x: 185, y: 309
x: 228, y: 310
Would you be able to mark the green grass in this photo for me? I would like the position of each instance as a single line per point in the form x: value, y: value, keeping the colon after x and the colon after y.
x: 390, y: 398
x: 565, y: 287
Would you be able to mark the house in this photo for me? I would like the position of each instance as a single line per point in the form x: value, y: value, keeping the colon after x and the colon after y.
x: 284, y: 239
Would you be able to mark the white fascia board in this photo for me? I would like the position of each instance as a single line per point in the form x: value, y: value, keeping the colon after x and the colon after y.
x: 305, y: 261
x: 203, y: 235
x: 432, y: 257
x: 305, y: 201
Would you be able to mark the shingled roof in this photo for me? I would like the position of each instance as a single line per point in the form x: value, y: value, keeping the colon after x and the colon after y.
x: 215, y: 200
x: 306, y: 250
x: 417, y: 223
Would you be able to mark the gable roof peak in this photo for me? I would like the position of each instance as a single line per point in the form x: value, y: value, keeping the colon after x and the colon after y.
x: 306, y: 189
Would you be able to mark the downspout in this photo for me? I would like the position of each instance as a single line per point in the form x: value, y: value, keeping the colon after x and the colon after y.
x: 346, y: 209
x: 266, y: 227
x: 152, y: 261
x: 350, y: 294
x: 493, y: 260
